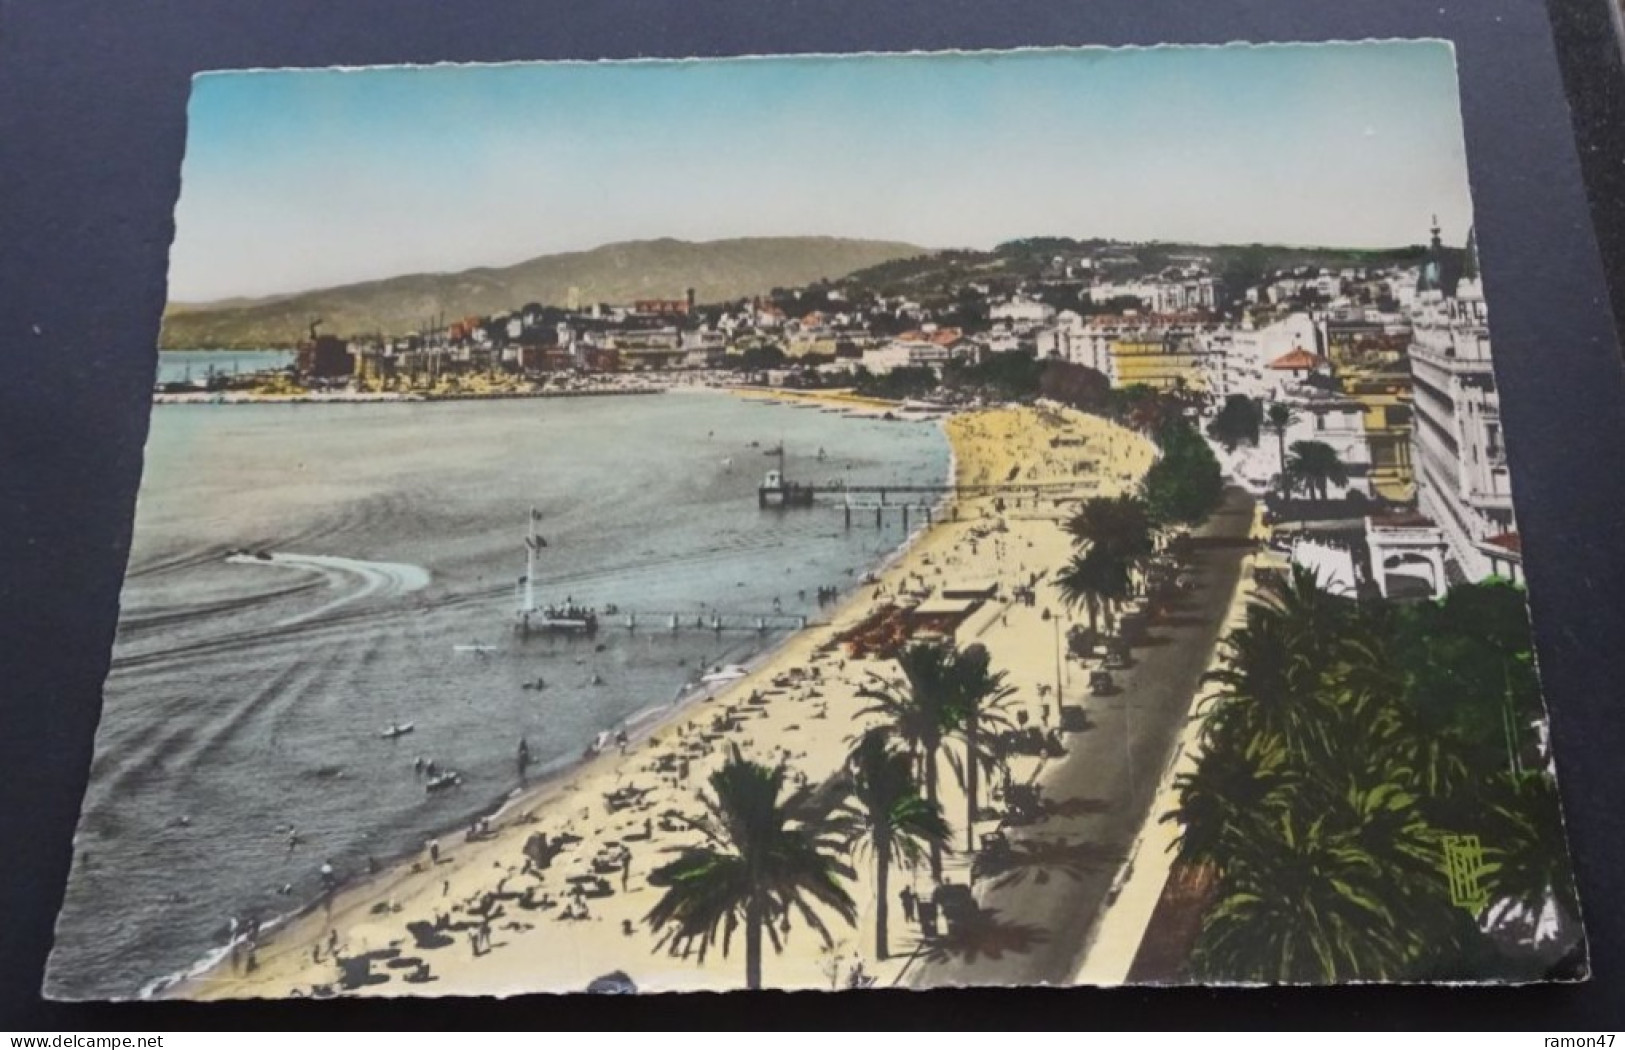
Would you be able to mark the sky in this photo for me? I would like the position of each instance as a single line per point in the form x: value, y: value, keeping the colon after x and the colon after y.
x: 298, y: 179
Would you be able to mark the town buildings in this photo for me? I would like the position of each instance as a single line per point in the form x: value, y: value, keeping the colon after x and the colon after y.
x: 1463, y: 484
x: 1389, y: 366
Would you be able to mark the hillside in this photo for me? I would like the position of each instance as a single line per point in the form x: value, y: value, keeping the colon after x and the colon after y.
x: 716, y: 270
x: 936, y: 278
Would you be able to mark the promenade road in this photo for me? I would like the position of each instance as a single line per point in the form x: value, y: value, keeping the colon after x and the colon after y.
x: 1039, y: 907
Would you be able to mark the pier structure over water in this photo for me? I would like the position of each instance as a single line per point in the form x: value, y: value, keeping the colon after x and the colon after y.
x: 575, y: 618
x: 715, y: 621
x: 778, y: 492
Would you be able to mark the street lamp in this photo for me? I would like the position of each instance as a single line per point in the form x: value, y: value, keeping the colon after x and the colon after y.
x: 1057, y: 623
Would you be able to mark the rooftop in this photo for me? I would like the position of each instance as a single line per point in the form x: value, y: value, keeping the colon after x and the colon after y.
x: 1298, y: 358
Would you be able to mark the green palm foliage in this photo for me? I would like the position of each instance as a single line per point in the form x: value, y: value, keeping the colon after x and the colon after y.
x: 1224, y: 799
x: 1346, y: 748
x: 885, y: 816
x: 767, y: 854
x: 1094, y: 581
x: 944, y: 692
x: 981, y: 696
x: 1526, y: 856
x: 1315, y: 466
x: 1122, y: 525
x: 919, y: 713
x: 1302, y: 901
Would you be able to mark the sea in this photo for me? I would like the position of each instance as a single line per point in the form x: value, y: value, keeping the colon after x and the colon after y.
x: 194, y: 366
x: 303, y: 576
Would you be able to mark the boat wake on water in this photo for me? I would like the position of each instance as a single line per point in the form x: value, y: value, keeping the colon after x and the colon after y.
x: 369, y: 579
x: 247, y: 699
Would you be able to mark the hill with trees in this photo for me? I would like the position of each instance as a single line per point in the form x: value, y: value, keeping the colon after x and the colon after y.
x: 615, y: 273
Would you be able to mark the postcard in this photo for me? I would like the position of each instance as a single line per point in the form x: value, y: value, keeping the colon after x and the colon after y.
x: 824, y: 522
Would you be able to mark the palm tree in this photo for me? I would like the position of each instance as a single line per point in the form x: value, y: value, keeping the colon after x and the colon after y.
x: 1094, y: 580
x: 1316, y: 466
x: 885, y: 815
x: 765, y: 855
x: 1275, y: 669
x: 919, y: 712
x: 1121, y: 524
x: 1279, y: 418
x: 982, y: 694
x: 1528, y: 856
x: 1235, y: 782
x: 1302, y: 900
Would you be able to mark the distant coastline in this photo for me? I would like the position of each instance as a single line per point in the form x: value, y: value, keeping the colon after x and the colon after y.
x: 341, y: 397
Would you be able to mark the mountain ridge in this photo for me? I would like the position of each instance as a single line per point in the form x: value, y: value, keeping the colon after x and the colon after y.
x: 665, y: 267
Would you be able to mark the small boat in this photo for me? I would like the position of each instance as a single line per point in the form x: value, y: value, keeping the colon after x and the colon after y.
x: 474, y: 649
x: 726, y: 673
x: 395, y: 730
x: 443, y: 781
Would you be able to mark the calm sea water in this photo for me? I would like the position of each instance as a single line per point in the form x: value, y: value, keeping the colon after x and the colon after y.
x: 180, y: 366
x: 247, y: 697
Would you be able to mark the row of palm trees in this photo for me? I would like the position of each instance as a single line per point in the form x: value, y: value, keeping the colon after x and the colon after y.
x: 770, y: 852
x: 1333, y: 784
x: 1114, y: 538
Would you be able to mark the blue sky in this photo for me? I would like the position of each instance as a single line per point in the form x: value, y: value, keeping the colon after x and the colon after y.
x: 298, y: 179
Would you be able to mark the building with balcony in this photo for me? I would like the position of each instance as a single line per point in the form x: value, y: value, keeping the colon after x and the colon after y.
x: 1385, y: 396
x: 1458, y: 454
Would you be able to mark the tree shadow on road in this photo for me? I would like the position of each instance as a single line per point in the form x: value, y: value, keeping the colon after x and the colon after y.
x: 984, y: 936
x: 1219, y: 543
x: 1039, y: 861
x: 1077, y: 806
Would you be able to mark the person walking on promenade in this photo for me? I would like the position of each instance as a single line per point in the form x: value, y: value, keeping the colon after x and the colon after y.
x: 907, y: 899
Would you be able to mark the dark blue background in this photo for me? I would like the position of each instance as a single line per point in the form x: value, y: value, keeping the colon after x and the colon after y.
x: 92, y: 108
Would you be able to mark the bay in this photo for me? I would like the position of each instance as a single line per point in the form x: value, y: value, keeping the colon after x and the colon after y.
x: 240, y: 742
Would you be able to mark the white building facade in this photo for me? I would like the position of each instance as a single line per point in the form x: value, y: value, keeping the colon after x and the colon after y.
x: 1458, y: 452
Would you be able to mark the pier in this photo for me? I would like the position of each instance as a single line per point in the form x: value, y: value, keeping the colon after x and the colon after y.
x: 778, y: 492
x: 577, y: 619
x: 715, y: 622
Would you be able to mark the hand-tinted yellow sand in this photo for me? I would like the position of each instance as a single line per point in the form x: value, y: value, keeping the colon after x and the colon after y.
x: 810, y: 724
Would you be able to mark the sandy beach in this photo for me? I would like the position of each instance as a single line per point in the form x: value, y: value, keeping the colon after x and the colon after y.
x: 481, y: 918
